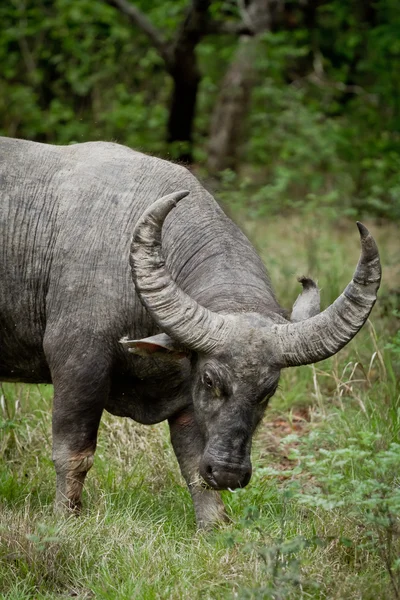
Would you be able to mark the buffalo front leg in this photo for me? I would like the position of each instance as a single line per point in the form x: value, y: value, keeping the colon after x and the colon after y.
x: 75, y: 424
x: 71, y: 469
x: 188, y: 445
x: 80, y: 393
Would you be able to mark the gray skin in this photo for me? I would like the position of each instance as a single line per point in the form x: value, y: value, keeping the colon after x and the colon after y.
x: 203, y: 336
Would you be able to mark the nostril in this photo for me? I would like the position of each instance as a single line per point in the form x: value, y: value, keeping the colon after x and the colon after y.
x: 246, y: 478
x: 209, y: 470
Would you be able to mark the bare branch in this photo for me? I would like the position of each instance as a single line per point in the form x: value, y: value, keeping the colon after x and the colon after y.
x: 194, y: 25
x: 319, y: 78
x: 141, y: 21
x: 228, y: 27
x: 261, y: 15
x: 246, y: 18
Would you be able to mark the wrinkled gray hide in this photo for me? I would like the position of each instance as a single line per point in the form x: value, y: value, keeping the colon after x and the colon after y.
x: 204, y: 338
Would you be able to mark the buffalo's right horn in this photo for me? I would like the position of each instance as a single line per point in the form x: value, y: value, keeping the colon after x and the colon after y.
x: 172, y: 309
x: 325, y: 334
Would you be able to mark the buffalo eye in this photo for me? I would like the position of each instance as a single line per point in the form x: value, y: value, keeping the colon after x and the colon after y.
x: 207, y: 380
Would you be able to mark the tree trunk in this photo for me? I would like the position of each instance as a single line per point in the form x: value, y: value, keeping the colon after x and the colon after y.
x: 232, y: 105
x: 181, y: 62
x: 231, y: 109
x: 184, y: 70
x: 181, y: 116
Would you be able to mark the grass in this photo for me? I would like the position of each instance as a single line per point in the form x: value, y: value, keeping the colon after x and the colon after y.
x: 320, y: 517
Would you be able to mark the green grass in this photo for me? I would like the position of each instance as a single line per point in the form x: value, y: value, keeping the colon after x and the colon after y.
x: 320, y: 518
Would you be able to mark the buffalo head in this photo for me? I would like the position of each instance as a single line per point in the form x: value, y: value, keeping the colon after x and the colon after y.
x: 236, y: 359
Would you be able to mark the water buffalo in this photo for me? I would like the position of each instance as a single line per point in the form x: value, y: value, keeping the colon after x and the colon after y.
x: 199, y: 339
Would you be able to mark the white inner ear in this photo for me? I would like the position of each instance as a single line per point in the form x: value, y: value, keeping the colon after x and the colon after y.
x: 160, y: 344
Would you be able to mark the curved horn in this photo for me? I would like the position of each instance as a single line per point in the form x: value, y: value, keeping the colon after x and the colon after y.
x: 173, y: 310
x: 325, y: 334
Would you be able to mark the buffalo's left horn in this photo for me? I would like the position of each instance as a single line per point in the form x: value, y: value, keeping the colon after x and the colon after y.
x: 325, y: 334
x: 176, y: 313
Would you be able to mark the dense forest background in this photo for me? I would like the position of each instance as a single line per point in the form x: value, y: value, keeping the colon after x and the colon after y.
x: 283, y: 103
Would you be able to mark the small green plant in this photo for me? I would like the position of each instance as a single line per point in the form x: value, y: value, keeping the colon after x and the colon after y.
x: 281, y: 556
x: 363, y: 483
x: 44, y: 537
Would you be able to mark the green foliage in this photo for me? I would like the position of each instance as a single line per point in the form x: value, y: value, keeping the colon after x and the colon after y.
x: 281, y: 556
x: 324, y: 123
x: 325, y: 119
x: 363, y: 483
x: 334, y: 131
x: 77, y: 72
x: 351, y: 484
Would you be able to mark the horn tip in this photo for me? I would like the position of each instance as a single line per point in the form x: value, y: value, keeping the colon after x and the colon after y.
x: 173, y: 199
x: 368, y: 244
x: 180, y: 195
x: 363, y: 230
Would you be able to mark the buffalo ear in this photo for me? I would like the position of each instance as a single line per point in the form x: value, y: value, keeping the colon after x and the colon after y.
x: 308, y: 302
x: 156, y: 346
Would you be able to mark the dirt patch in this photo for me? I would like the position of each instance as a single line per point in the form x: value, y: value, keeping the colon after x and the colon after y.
x: 273, y: 449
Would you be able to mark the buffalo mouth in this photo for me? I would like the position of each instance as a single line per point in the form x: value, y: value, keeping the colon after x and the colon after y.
x: 222, y: 476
